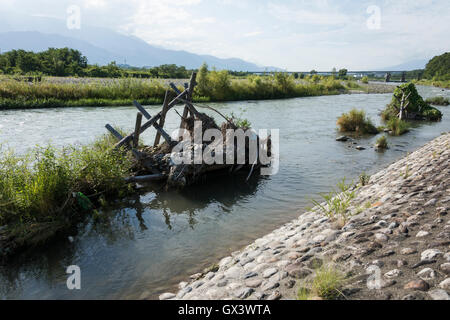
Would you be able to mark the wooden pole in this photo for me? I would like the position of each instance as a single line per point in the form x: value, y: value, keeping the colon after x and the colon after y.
x: 148, y: 178
x: 137, y: 130
x: 162, y: 120
x: 160, y: 130
x: 190, y: 91
x: 114, y: 132
x: 150, y: 122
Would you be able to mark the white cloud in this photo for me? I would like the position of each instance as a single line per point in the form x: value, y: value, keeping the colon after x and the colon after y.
x: 252, y: 34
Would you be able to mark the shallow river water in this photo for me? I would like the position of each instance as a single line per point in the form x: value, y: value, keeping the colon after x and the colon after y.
x: 148, y: 243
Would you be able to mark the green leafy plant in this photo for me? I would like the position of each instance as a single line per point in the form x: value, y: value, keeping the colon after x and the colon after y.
x: 364, y: 179
x: 381, y: 143
x: 356, y: 121
x: 337, y: 203
x: 416, y: 108
x: 397, y: 127
x: 327, y: 284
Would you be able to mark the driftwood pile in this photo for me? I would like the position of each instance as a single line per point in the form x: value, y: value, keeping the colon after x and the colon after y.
x: 155, y: 163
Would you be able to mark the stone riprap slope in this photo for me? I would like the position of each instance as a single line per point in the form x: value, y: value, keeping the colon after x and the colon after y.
x: 395, y: 246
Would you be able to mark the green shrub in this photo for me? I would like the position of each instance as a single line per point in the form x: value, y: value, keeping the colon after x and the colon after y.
x: 365, y: 80
x: 438, y: 101
x: 212, y: 86
x: 417, y: 106
x: 39, y: 186
x: 381, y: 143
x: 337, y: 203
x: 327, y: 284
x: 356, y: 121
x: 364, y: 179
x: 397, y: 126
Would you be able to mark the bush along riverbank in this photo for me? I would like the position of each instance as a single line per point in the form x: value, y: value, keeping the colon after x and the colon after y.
x: 387, y: 237
x: 213, y: 86
x: 46, y: 191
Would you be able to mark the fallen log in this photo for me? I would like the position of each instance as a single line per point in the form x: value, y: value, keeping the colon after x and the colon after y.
x: 147, y: 178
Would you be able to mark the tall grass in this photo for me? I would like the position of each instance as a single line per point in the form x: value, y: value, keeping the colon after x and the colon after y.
x: 397, y: 126
x: 337, y: 203
x: 213, y: 86
x: 381, y: 143
x: 327, y: 284
x: 438, y: 101
x: 40, y: 186
x: 356, y: 121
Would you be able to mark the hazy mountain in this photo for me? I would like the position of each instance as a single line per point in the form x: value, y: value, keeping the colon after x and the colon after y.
x: 408, y: 66
x: 102, y: 45
x: 36, y: 41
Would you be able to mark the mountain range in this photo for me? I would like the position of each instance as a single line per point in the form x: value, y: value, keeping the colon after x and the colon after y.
x: 101, y: 45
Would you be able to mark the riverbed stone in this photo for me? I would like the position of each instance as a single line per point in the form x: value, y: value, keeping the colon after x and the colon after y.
x: 427, y: 274
x: 269, y: 272
x: 439, y: 294
x: 422, y: 234
x: 167, y: 296
x: 393, y: 274
x: 445, y: 267
x: 408, y: 251
x: 254, y: 283
x: 234, y: 272
x: 445, y: 284
x: 243, y: 293
x: 420, y: 285
x: 430, y: 254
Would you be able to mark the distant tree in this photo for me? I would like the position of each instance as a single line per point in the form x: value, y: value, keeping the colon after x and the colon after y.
x: 342, y: 73
x: 202, y: 80
x: 313, y: 72
x: 438, y: 67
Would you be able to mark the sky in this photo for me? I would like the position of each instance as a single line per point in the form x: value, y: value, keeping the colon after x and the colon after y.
x: 296, y: 35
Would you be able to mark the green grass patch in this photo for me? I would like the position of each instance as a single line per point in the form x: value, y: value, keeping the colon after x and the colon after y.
x: 356, y: 121
x: 212, y: 86
x: 327, y: 284
x: 397, y: 127
x: 438, y: 101
x: 47, y: 185
x: 337, y: 202
x: 381, y: 143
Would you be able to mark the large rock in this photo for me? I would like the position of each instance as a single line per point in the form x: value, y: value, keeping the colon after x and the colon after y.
x: 445, y: 284
x: 430, y: 254
x: 419, y: 285
x: 438, y: 294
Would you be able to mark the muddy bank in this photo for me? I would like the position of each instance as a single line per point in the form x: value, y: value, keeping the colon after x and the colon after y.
x: 396, y: 245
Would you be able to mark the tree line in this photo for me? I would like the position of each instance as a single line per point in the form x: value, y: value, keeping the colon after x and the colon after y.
x: 69, y: 62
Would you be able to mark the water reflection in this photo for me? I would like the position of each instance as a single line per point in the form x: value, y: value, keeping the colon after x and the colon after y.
x: 224, y: 192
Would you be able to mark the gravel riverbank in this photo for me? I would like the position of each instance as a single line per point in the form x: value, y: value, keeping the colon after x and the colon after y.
x: 396, y: 245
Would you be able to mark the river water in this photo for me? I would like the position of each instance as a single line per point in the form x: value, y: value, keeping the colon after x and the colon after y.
x: 146, y: 244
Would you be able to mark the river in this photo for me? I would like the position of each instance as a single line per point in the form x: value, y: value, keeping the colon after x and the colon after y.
x: 146, y: 244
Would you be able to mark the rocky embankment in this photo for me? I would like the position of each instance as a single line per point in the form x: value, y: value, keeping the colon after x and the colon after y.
x: 396, y: 245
